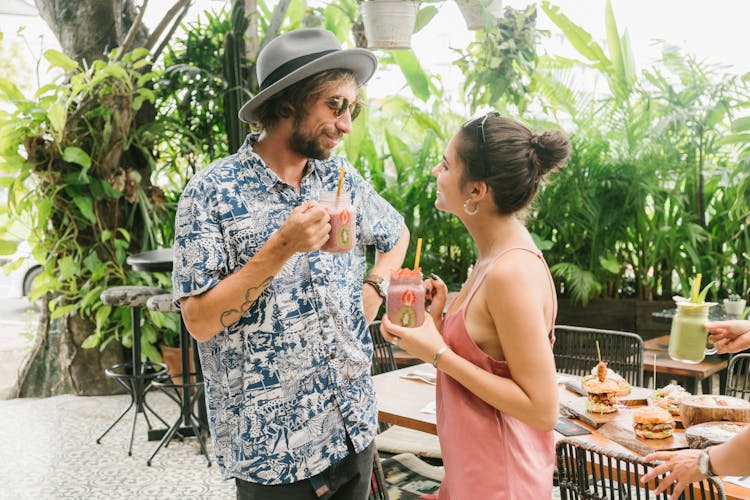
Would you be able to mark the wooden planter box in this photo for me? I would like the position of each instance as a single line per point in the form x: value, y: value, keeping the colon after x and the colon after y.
x: 628, y: 315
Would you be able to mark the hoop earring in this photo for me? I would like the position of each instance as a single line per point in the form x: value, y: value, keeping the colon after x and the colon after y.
x: 466, y: 208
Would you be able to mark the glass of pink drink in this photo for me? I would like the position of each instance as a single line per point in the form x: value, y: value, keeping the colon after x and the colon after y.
x: 342, y: 235
x: 405, y: 299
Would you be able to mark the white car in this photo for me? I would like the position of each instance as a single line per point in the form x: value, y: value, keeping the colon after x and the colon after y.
x: 21, y: 279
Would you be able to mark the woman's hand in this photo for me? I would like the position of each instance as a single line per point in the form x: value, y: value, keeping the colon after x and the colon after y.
x: 682, y: 467
x: 422, y: 341
x: 436, y: 296
x: 729, y: 336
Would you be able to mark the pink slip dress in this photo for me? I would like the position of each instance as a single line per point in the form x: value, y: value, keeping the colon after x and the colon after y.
x: 488, y: 454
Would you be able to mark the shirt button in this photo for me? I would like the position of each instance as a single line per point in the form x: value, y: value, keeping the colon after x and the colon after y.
x: 332, y: 355
x: 326, y: 318
x: 318, y: 280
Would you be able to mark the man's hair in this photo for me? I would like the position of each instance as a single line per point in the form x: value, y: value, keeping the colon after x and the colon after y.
x: 293, y: 100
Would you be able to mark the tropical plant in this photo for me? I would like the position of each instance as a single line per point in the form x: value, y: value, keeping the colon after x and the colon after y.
x: 76, y: 162
x: 654, y: 143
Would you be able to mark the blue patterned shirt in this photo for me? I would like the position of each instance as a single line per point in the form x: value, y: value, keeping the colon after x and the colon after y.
x: 288, y: 381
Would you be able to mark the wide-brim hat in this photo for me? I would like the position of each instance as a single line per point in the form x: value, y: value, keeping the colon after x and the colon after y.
x: 299, y: 54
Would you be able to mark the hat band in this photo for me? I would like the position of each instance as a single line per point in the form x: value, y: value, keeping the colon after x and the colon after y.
x: 290, y: 66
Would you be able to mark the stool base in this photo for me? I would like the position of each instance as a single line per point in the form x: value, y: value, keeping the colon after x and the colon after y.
x: 123, y: 375
x: 182, y: 397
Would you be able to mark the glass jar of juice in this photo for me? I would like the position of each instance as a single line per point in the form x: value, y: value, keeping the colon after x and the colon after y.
x: 405, y: 298
x: 687, y: 337
x: 342, y: 236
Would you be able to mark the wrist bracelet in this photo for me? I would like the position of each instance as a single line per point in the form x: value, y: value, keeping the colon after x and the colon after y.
x: 437, y: 355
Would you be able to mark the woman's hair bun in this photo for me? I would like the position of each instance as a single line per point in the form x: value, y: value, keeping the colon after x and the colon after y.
x: 552, y: 148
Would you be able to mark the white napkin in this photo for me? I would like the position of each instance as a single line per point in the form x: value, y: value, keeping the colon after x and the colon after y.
x: 429, y: 408
x: 424, y: 376
x: 743, y: 481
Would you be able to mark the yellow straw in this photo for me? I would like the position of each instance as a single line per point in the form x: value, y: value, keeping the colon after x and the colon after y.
x: 341, y: 182
x: 419, y: 251
x: 598, y: 354
x: 696, y: 288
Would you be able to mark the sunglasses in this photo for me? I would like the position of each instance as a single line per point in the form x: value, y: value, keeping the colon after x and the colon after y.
x: 339, y: 105
x: 482, y: 142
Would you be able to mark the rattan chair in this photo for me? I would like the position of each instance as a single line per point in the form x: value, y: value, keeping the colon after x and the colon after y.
x: 575, y: 351
x: 382, y: 352
x: 738, y: 378
x: 589, y: 472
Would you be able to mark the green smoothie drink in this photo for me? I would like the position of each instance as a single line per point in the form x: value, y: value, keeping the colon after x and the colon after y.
x: 687, y: 338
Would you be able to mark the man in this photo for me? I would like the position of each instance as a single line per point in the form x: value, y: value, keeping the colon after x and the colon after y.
x: 282, y: 326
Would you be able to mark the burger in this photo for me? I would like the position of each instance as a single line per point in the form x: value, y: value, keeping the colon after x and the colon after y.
x: 652, y: 422
x: 601, y: 396
x: 669, y: 397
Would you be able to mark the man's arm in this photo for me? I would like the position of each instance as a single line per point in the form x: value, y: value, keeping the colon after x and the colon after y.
x: 209, y: 313
x: 384, y: 262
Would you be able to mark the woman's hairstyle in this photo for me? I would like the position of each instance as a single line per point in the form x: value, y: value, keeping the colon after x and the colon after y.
x: 509, y: 157
x: 293, y: 100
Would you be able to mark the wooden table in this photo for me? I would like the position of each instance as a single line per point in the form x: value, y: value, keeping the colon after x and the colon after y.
x: 691, y: 376
x: 400, y: 401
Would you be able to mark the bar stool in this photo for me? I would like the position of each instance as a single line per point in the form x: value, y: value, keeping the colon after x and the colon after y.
x: 180, y: 392
x: 135, y: 377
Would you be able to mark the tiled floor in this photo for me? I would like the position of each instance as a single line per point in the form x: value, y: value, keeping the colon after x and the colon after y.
x: 48, y: 450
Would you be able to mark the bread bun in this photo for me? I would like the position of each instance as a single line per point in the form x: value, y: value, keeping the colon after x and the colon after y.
x: 651, y: 422
x: 595, y: 386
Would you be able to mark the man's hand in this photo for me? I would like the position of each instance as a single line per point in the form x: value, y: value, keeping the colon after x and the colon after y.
x: 306, y: 229
x: 682, y: 469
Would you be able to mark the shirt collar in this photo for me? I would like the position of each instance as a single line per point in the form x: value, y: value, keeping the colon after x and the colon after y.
x: 266, y: 177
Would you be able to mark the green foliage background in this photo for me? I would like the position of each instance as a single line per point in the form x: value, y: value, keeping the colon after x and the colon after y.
x: 656, y: 189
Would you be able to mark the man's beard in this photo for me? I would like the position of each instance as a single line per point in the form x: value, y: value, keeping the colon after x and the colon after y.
x: 308, y: 146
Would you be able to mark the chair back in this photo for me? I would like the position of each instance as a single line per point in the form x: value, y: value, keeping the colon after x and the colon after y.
x: 738, y: 379
x: 575, y: 351
x: 382, y: 353
x: 587, y: 471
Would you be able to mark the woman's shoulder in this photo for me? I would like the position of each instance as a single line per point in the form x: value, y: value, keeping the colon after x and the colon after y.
x: 516, y: 265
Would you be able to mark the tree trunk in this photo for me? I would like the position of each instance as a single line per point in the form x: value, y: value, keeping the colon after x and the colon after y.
x: 58, y: 364
x: 88, y: 29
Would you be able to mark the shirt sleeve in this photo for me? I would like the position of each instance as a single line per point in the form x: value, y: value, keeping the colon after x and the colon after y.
x: 199, y: 254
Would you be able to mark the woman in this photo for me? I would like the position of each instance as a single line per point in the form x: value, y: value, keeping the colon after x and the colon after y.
x: 497, y: 390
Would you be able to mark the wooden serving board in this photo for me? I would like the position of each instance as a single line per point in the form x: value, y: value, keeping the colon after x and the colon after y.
x: 711, y: 433
x: 621, y: 431
x: 577, y: 409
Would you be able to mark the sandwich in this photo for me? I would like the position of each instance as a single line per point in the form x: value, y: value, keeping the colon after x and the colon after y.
x: 669, y: 397
x: 601, y: 396
x: 652, y: 422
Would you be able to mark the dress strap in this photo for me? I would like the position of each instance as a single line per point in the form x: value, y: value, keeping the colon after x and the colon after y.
x: 479, y: 282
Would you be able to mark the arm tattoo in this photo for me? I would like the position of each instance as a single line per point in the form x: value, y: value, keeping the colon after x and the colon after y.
x: 230, y: 316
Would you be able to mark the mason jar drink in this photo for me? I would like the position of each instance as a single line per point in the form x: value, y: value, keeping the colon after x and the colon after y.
x: 688, y: 337
x: 342, y: 212
x: 405, y: 298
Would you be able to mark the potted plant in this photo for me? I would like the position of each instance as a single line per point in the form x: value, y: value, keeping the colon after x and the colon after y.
x: 163, y: 329
x: 389, y: 23
x: 473, y: 11
x: 734, y: 306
